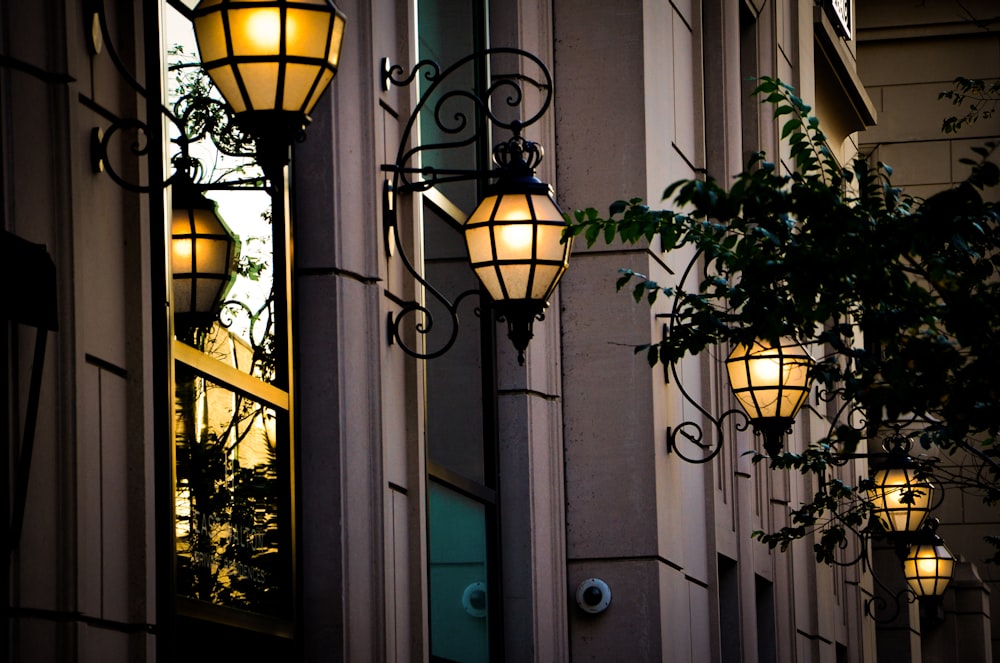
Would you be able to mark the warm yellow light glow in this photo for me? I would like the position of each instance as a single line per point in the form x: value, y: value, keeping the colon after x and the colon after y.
x: 928, y: 568
x: 900, y: 500
x: 770, y: 382
x: 765, y: 371
x: 270, y: 54
x: 202, y: 254
x: 181, y: 250
x: 262, y: 29
x: 515, y: 247
x: 513, y: 208
x: 514, y: 241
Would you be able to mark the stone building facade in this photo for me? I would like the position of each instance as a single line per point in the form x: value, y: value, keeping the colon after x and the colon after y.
x: 371, y: 504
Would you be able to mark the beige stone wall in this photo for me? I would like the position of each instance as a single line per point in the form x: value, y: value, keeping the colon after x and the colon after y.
x: 82, y: 575
x: 907, y: 56
x: 647, y: 92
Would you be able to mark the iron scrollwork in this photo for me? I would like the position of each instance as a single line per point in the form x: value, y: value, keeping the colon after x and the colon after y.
x: 500, y: 105
x: 847, y: 411
x: 194, y: 116
x: 692, y: 432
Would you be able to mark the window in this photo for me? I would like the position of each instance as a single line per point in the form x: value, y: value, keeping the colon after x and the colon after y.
x: 233, y: 505
x: 460, y: 384
x: 729, y: 610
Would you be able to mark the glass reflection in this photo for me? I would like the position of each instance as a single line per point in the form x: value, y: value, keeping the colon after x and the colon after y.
x: 230, y: 536
x: 243, y: 334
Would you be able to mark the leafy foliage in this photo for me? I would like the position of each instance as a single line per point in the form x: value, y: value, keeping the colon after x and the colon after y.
x: 901, y: 293
x: 981, y: 95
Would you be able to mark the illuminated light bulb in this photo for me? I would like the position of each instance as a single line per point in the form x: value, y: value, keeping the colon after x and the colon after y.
x: 264, y: 28
x: 516, y: 238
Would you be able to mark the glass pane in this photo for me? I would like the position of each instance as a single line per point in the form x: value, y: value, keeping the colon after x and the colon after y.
x: 446, y: 36
x: 240, y: 330
x: 458, y: 585
x: 454, y: 380
x: 231, y: 527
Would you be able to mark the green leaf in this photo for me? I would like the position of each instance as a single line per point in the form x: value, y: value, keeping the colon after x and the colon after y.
x: 791, y: 126
x: 609, y: 233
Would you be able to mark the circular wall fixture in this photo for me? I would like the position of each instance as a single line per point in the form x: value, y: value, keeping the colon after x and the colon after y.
x: 474, y: 599
x: 593, y: 596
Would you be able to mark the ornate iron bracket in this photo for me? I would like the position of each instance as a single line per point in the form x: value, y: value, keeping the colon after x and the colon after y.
x: 194, y: 117
x: 885, y: 611
x: 691, y: 432
x: 500, y: 105
x: 710, y: 444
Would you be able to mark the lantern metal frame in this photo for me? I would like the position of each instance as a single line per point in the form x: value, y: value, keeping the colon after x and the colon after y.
x: 234, y: 61
x: 501, y: 104
x: 188, y: 198
x: 710, y: 442
x: 273, y: 129
x: 773, y: 427
x: 926, y: 545
x: 517, y: 159
x: 895, y: 460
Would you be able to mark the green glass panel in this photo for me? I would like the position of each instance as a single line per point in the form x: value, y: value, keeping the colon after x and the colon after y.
x: 457, y: 539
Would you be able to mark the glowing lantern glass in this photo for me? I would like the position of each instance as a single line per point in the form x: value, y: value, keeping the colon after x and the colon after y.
x: 514, y: 240
x: 771, y: 383
x: 269, y: 56
x: 203, y: 255
x: 901, y: 500
x: 929, y: 565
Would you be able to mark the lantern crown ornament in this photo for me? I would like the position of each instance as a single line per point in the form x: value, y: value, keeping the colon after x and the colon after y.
x: 515, y: 240
x: 271, y: 60
x: 771, y: 382
x: 901, y: 498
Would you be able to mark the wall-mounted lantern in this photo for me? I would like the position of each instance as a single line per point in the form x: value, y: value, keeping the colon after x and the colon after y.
x: 271, y: 60
x: 514, y: 239
x: 770, y: 382
x: 900, y: 498
x: 514, y: 235
x: 929, y: 565
x: 203, y: 255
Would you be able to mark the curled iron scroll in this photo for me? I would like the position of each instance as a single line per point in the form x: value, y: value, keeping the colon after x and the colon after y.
x: 691, y: 432
x: 463, y: 117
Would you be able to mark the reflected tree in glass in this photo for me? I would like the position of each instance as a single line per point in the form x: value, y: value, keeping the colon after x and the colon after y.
x: 229, y: 539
